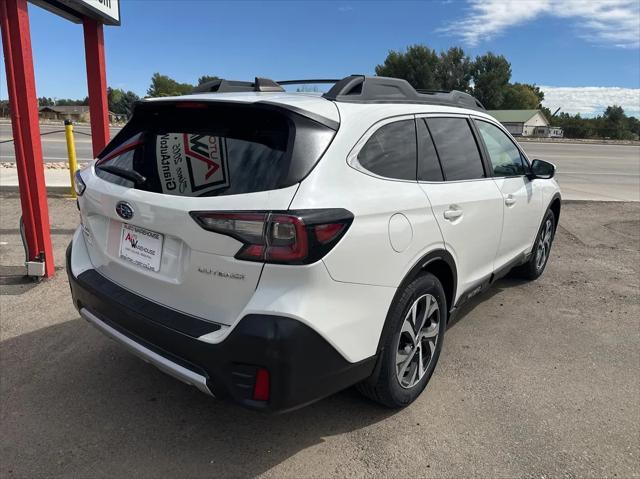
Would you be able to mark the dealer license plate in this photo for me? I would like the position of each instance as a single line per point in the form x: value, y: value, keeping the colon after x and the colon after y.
x: 141, y: 247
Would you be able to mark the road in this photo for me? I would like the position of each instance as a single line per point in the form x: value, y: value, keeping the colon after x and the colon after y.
x: 585, y: 171
x: 535, y: 380
x: 54, y: 146
x: 592, y: 171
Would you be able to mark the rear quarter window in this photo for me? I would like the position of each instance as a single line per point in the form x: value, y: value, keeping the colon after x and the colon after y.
x: 391, y: 151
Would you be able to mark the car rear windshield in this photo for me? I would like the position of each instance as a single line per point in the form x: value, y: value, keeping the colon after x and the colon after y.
x: 213, y: 149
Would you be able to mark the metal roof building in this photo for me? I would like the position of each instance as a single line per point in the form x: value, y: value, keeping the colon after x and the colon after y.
x: 522, y: 122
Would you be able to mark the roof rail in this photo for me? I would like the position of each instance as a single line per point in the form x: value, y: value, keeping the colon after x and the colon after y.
x: 225, y: 86
x: 353, y: 89
x: 306, y: 82
x: 367, y: 89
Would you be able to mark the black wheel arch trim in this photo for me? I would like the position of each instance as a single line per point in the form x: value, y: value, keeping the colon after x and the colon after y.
x: 556, y: 196
x: 420, y: 266
x: 425, y: 261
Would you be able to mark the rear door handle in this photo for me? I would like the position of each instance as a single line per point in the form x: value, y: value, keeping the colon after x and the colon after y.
x: 453, y: 213
x: 509, y: 200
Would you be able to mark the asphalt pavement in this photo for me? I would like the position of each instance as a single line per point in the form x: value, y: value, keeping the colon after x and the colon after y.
x: 536, y: 380
x: 592, y: 171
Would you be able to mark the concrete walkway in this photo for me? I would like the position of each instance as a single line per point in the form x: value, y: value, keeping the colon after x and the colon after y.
x: 56, y: 179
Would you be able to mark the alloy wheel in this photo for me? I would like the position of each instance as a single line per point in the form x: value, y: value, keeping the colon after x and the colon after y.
x: 544, y: 244
x: 417, y: 341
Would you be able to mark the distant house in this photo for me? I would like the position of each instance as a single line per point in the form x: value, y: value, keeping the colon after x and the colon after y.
x: 526, y: 123
x: 79, y: 113
x: 73, y: 113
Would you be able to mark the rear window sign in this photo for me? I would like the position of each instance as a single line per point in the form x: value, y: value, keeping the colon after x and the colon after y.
x: 191, y: 164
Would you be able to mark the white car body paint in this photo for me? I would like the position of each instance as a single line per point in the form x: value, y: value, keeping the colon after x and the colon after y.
x: 346, y: 295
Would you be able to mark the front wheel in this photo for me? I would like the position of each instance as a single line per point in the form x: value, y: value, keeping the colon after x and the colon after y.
x: 533, y: 268
x: 411, y: 344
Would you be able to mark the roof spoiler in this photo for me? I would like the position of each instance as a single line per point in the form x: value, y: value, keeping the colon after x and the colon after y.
x: 353, y: 89
x: 225, y: 86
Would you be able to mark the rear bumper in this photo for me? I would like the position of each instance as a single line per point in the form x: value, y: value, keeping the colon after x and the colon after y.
x: 303, y: 366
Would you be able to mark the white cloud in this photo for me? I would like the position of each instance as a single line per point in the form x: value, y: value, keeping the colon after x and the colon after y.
x: 611, y: 22
x: 591, y: 100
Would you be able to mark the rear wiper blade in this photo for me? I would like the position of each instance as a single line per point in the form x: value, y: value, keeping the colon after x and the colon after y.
x: 130, y: 175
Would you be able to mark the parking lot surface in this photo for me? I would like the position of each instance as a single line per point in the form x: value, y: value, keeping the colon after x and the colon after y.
x: 536, y: 380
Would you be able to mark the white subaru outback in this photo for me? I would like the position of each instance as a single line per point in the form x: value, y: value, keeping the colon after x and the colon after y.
x: 274, y: 248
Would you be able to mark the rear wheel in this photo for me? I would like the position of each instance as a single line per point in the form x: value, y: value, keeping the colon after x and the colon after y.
x: 411, y: 344
x: 533, y: 268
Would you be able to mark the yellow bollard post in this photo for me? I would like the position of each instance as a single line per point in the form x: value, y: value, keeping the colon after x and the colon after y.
x: 71, y: 151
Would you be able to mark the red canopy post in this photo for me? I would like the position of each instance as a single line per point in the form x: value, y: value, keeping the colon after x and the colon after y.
x: 97, y: 82
x: 16, y: 42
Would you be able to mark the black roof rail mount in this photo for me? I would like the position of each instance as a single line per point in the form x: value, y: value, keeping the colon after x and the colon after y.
x: 226, y: 86
x: 372, y: 89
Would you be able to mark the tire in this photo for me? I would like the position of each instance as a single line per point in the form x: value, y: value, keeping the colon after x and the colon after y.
x: 533, y: 268
x: 398, y: 380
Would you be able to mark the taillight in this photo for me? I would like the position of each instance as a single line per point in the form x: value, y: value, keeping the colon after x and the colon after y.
x: 289, y: 237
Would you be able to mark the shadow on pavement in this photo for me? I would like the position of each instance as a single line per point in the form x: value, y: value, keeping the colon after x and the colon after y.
x: 96, y: 410
x: 499, y: 286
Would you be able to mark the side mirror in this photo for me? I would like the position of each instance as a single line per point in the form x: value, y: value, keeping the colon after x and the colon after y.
x: 542, y: 169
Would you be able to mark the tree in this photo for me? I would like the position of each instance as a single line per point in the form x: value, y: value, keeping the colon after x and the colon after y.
x: 45, y: 101
x: 520, y: 96
x: 614, y: 115
x: 5, y: 110
x: 453, y: 70
x: 633, y: 125
x: 491, y: 74
x: 616, y: 123
x: 207, y: 78
x: 70, y: 102
x: 417, y: 65
x: 121, y: 102
x: 162, y: 85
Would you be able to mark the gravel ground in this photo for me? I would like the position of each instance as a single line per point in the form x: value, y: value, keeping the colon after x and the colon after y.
x: 535, y: 380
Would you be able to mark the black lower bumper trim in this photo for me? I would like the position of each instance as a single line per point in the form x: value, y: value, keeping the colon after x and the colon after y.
x: 303, y: 366
x: 183, y: 323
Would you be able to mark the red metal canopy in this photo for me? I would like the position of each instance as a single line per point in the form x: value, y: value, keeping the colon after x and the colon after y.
x: 16, y: 41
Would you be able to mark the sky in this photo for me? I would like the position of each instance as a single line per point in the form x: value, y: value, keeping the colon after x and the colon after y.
x: 585, y: 54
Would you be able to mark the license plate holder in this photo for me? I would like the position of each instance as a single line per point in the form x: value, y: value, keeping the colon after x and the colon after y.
x: 141, y: 247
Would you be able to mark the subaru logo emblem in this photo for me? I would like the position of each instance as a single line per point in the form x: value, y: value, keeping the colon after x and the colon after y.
x: 124, y: 210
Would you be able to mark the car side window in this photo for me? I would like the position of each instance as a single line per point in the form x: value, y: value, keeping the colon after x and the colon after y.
x: 428, y: 164
x: 457, y: 148
x: 506, y: 159
x: 391, y: 151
